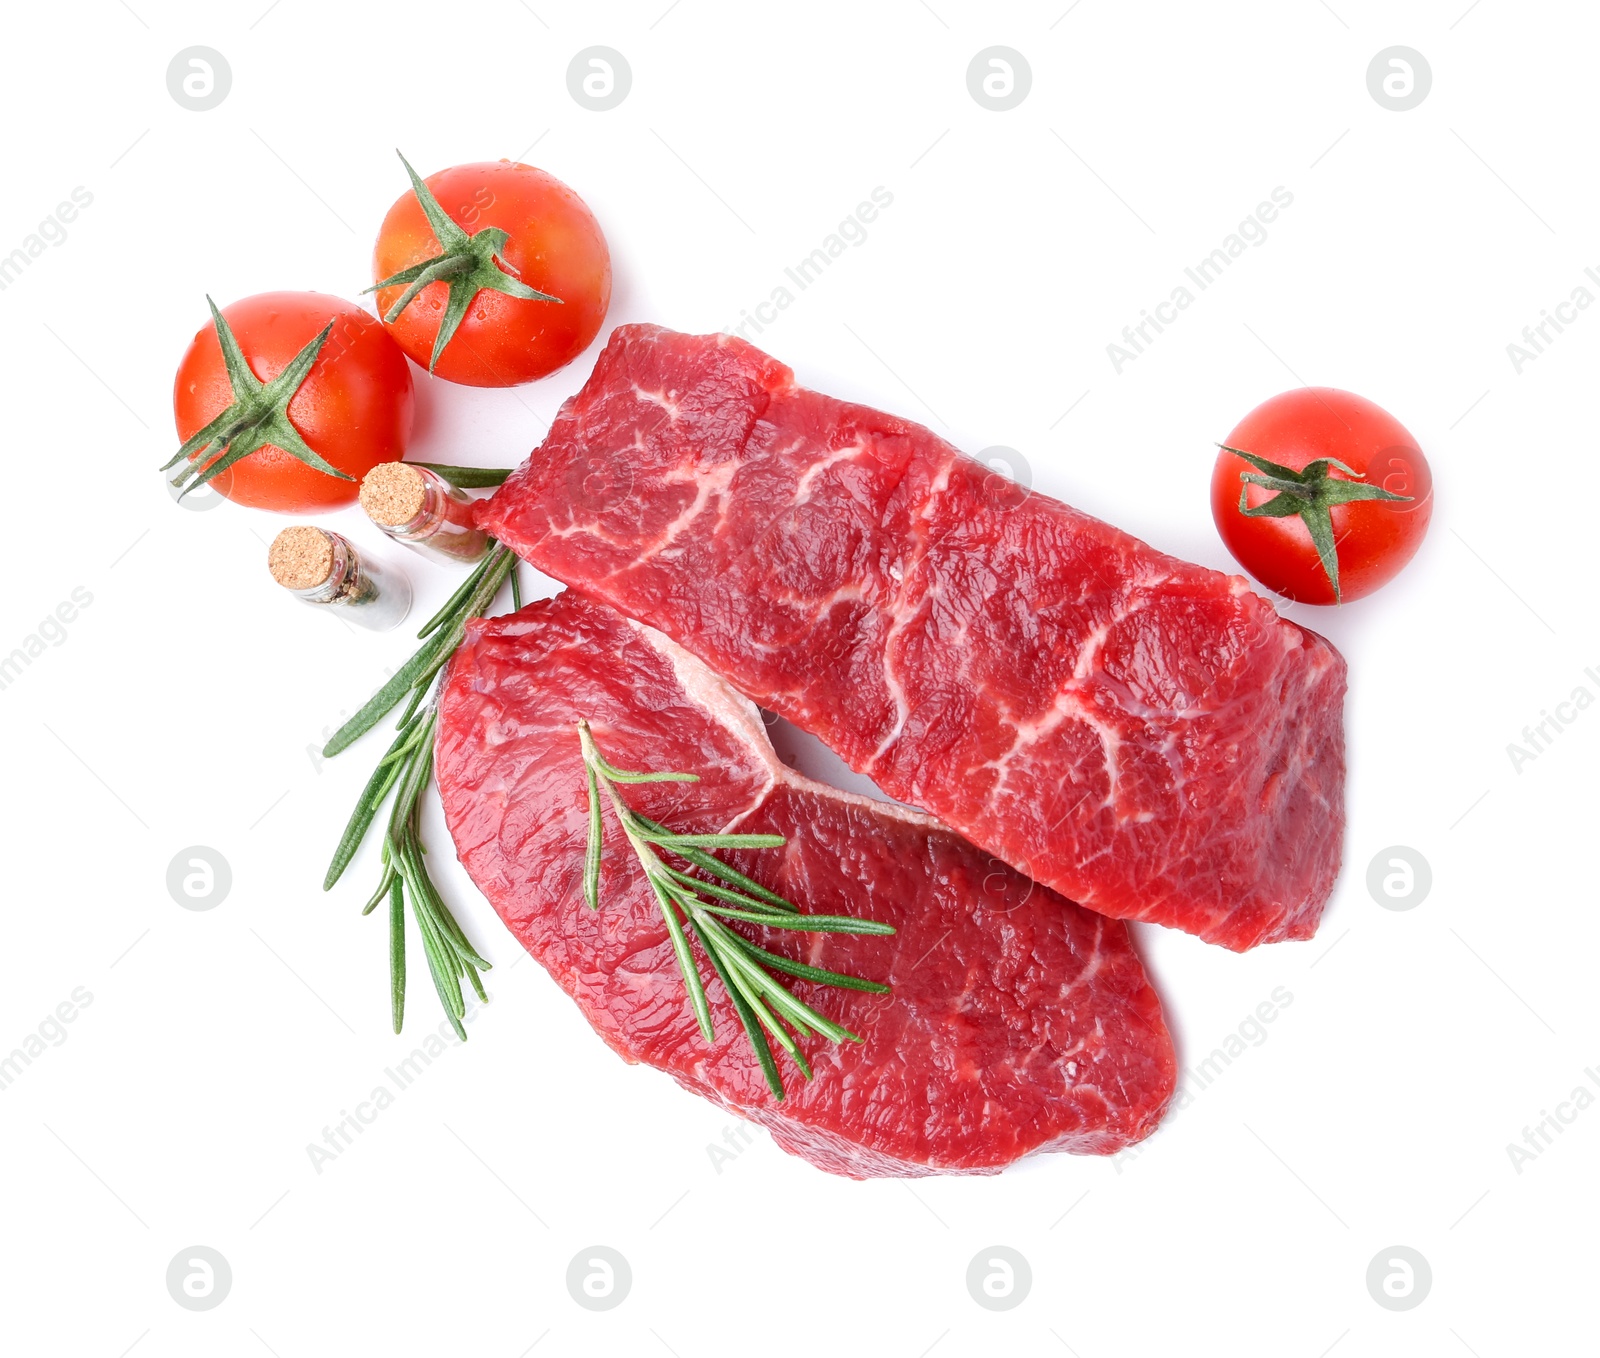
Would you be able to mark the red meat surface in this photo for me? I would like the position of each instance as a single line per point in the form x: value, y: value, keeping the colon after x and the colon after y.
x: 1145, y: 736
x: 1017, y: 1021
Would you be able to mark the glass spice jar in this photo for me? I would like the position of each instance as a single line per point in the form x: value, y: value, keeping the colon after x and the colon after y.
x: 322, y: 568
x: 418, y: 507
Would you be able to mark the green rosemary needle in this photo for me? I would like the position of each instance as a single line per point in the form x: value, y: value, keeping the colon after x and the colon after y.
x: 442, y: 634
x: 468, y: 478
x: 405, y: 771
x: 764, y: 1004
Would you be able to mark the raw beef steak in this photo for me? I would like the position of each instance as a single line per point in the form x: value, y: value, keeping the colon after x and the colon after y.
x: 1146, y: 736
x: 1017, y: 1022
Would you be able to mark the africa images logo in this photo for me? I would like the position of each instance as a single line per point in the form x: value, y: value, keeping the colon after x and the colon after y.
x: 1251, y: 231
x: 52, y: 230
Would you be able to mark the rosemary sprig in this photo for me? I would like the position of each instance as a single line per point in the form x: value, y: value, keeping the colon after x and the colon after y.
x: 405, y: 771
x: 468, y: 478
x: 764, y: 1004
x: 443, y: 633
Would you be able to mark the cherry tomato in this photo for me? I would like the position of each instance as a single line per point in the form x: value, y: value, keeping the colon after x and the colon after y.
x: 352, y: 409
x: 1337, y: 495
x: 517, y: 230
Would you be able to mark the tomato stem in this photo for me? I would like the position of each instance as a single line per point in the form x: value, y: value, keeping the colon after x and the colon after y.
x: 1309, y: 495
x: 258, y: 415
x: 468, y: 263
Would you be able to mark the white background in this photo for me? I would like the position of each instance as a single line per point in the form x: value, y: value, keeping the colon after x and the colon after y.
x: 183, y: 704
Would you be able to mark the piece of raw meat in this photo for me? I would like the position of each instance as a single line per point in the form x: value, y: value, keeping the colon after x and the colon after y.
x: 1017, y: 1022
x: 1146, y: 736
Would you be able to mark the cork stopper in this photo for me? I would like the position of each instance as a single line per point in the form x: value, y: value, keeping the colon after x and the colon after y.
x: 301, y: 557
x: 392, y: 493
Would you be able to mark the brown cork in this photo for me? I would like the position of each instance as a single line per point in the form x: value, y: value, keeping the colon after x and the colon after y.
x: 392, y: 494
x: 301, y: 557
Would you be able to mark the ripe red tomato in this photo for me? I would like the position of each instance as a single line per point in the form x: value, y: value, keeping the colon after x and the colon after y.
x: 506, y: 224
x: 1327, y: 465
x: 352, y: 409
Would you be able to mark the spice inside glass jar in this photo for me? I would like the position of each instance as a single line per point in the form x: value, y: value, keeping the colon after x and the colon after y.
x: 420, y: 508
x: 322, y: 568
